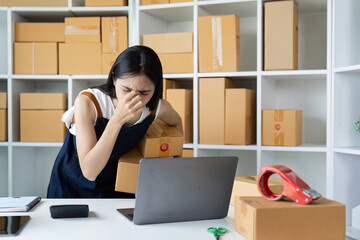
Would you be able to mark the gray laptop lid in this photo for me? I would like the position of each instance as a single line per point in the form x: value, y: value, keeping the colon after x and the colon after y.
x: 183, y: 189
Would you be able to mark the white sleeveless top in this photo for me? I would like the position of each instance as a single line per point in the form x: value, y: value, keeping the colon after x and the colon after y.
x: 107, y: 109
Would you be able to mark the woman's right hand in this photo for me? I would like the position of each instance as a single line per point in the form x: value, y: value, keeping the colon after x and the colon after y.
x: 128, y: 108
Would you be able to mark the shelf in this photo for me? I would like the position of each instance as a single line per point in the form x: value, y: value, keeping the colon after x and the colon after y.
x: 227, y: 147
x: 296, y: 74
x: 228, y: 74
x: 348, y: 150
x: 169, y: 12
x: 89, y: 77
x: 305, y: 147
x: 188, y: 145
x: 243, y: 9
x: 42, y: 13
x: 164, y: 6
x: 2, y: 76
x: 353, y: 232
x: 348, y: 69
x: 4, y: 144
x: 100, y: 11
x: 178, y: 75
x: 39, y: 77
x: 37, y: 144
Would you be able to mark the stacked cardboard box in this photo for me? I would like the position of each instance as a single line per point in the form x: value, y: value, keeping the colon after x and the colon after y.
x: 36, y: 47
x: 100, y: 3
x: 3, y: 117
x: 160, y: 140
x: 34, y: 3
x: 149, y: 2
x: 219, y: 43
x: 169, y: 84
x: 188, y: 153
x: 40, y: 117
x: 175, y: 50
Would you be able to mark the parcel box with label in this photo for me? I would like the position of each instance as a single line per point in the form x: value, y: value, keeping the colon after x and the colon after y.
x: 35, y: 58
x: 3, y: 117
x: 281, y: 127
x: 219, y: 43
x: 258, y: 218
x: 82, y: 29
x: 161, y: 140
x: 149, y: 2
x: 40, y: 117
x: 182, y: 101
x: 114, y: 34
x: 212, y: 110
x: 101, y: 3
x: 246, y: 186
x: 280, y: 35
x: 177, y: 62
x: 181, y: 42
x: 39, y: 32
x: 240, y: 116
x: 80, y: 58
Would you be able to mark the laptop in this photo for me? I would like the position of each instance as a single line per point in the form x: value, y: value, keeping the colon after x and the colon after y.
x: 182, y: 189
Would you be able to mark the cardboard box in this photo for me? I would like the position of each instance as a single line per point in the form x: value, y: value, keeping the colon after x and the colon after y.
x: 100, y: 3
x: 114, y: 34
x: 3, y: 117
x: 240, y: 116
x: 3, y: 100
x: 281, y: 127
x: 35, y: 58
x: 43, y: 101
x: 188, y: 153
x: 80, y: 58
x: 219, y: 43
x: 39, y: 32
x: 149, y: 2
x: 258, y: 218
x: 107, y: 61
x: 178, y: 1
x: 246, y: 186
x: 169, y: 84
x: 82, y: 29
x: 280, y: 35
x: 34, y: 3
x: 161, y: 140
x: 177, y: 62
x: 181, y: 42
x: 182, y: 101
x: 212, y: 110
x: 128, y: 171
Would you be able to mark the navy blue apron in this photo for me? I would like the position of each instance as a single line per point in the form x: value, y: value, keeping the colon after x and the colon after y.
x: 67, y: 180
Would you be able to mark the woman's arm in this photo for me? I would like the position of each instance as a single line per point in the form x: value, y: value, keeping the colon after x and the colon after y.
x: 94, y: 155
x: 168, y: 114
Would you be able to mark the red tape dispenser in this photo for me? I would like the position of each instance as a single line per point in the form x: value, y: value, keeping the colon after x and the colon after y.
x: 294, y: 187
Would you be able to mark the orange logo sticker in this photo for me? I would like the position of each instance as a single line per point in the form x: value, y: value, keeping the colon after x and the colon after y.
x: 277, y: 126
x: 164, y: 147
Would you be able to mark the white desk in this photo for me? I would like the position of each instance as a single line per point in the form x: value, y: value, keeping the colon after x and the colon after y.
x: 104, y: 222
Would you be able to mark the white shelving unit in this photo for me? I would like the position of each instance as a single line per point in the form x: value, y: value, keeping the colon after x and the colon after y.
x: 324, y: 87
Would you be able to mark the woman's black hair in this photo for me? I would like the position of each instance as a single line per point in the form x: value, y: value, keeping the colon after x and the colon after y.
x: 136, y: 61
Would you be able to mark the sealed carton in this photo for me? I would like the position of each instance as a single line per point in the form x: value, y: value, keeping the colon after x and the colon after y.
x: 169, y: 84
x: 177, y: 1
x: 100, y: 3
x: 176, y: 62
x: 181, y: 42
x: 188, y: 153
x: 40, y: 117
x: 3, y: 117
x: 34, y: 3
x: 280, y: 35
x: 39, y: 32
x: 219, y: 43
x: 127, y: 172
x: 246, y: 186
x: 107, y: 61
x: 35, y: 58
x: 240, y: 116
x: 212, y: 110
x: 82, y: 29
x: 149, y: 2
x: 114, y: 34
x: 258, y: 218
x: 182, y: 101
x: 161, y: 140
x: 281, y: 127
x: 80, y: 58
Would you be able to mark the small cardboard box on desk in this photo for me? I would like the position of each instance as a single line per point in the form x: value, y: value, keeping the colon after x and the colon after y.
x: 258, y: 218
x: 3, y: 117
x: 160, y: 140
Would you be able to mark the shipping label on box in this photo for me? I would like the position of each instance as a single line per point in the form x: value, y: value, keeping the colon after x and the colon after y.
x: 281, y: 127
x: 80, y: 58
x: 212, y: 110
x: 82, y: 29
x: 181, y: 42
x: 280, y: 35
x: 44, y: 101
x: 240, y: 116
x: 246, y: 186
x: 101, y: 3
x: 35, y: 58
x: 177, y: 62
x: 219, y: 43
x: 161, y: 140
x: 169, y: 84
x: 114, y: 34
x: 107, y: 61
x: 182, y: 101
x: 3, y: 125
x: 3, y: 100
x: 39, y: 32
x: 258, y: 218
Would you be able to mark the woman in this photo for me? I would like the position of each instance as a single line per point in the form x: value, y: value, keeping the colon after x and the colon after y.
x: 108, y: 121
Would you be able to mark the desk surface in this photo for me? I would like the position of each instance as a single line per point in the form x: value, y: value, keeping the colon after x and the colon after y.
x: 104, y: 222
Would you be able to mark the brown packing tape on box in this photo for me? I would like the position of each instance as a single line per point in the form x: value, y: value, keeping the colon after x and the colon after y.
x: 279, y: 135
